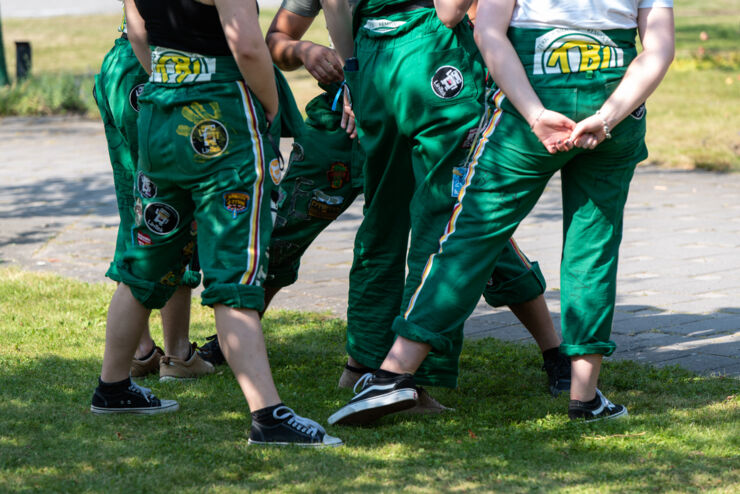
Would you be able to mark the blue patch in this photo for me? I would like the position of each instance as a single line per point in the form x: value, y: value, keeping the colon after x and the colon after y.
x: 459, y: 174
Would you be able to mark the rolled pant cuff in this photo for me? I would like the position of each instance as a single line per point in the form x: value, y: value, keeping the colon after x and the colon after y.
x: 605, y: 349
x: 414, y: 332
x: 150, y: 294
x: 523, y: 288
x: 234, y: 295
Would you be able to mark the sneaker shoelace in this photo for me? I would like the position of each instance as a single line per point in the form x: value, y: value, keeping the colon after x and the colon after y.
x: 301, y: 424
x: 361, y: 382
x: 145, y: 392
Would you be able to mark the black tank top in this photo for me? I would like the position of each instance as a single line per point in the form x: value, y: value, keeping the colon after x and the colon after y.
x: 184, y: 25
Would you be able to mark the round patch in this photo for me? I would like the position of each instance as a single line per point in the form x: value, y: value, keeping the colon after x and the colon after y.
x: 147, y: 188
x: 133, y: 96
x: 161, y: 218
x: 209, y: 138
x: 639, y: 112
x: 447, y: 82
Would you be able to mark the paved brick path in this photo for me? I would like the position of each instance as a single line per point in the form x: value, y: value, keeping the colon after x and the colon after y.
x: 679, y: 278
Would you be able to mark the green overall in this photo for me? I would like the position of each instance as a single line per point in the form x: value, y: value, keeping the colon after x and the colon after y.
x: 573, y: 73
x: 203, y: 168
x: 117, y: 89
x: 322, y: 181
x: 418, y: 98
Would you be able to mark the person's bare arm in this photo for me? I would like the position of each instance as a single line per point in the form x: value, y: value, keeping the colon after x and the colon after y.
x: 643, y: 75
x: 339, y: 23
x: 137, y: 35
x: 289, y: 51
x: 244, y: 37
x: 551, y: 128
x: 451, y: 12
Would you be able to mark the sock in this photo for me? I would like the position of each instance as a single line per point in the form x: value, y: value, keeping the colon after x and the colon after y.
x: 264, y: 415
x: 114, y: 388
x: 589, y: 405
x: 359, y: 370
x: 384, y: 374
x: 154, y: 348
x: 551, y: 354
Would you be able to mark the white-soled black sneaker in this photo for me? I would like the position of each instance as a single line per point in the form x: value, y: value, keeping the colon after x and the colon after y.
x: 291, y: 430
x: 377, y: 397
x: 578, y: 410
x: 134, y: 399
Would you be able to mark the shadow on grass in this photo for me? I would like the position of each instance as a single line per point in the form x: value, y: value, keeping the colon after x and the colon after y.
x: 507, y: 433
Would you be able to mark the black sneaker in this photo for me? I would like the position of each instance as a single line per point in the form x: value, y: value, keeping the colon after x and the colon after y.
x: 604, y: 409
x: 558, y: 373
x: 134, y: 399
x: 211, y: 351
x: 292, y: 430
x: 378, y: 397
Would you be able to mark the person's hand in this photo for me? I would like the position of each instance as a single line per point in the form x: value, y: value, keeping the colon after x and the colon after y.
x: 322, y: 63
x: 589, y: 132
x: 348, y: 115
x: 554, y: 129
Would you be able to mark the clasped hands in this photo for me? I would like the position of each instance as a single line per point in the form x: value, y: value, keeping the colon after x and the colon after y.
x: 559, y: 133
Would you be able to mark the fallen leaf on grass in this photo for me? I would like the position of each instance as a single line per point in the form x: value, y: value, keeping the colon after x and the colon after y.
x: 472, y: 434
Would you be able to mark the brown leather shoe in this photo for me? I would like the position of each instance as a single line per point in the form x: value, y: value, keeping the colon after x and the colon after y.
x: 141, y: 368
x: 426, y: 405
x: 174, y: 369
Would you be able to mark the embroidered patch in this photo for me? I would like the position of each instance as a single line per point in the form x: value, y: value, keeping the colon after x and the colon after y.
x: 639, y: 112
x: 459, y: 173
x: 324, y: 206
x: 382, y: 25
x: 147, y: 188
x: 161, y: 218
x: 276, y: 172
x: 138, y: 212
x: 297, y: 153
x: 447, y: 82
x: 133, y: 96
x: 209, y: 138
x: 236, y: 202
x: 143, y: 239
x: 470, y: 138
x: 338, y: 175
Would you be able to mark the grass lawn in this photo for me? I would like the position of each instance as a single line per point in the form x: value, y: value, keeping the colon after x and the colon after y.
x: 506, y: 435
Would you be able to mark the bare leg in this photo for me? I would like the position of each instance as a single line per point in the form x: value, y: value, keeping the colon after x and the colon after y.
x: 535, y: 316
x: 127, y: 319
x: 585, y: 373
x: 243, y: 345
x: 176, y: 323
x: 146, y: 344
x: 405, y: 356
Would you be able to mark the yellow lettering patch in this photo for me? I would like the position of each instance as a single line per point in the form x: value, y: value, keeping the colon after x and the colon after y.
x: 174, y: 67
x: 562, y: 51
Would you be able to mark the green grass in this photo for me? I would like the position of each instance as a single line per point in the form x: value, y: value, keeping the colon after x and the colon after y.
x: 694, y: 116
x: 507, y: 434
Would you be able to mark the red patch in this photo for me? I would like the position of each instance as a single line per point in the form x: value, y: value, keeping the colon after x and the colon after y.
x: 143, y: 238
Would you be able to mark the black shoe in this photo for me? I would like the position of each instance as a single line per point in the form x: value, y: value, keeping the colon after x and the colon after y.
x: 378, y: 397
x: 211, y: 351
x: 604, y: 409
x: 292, y: 429
x: 558, y: 373
x: 133, y: 399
